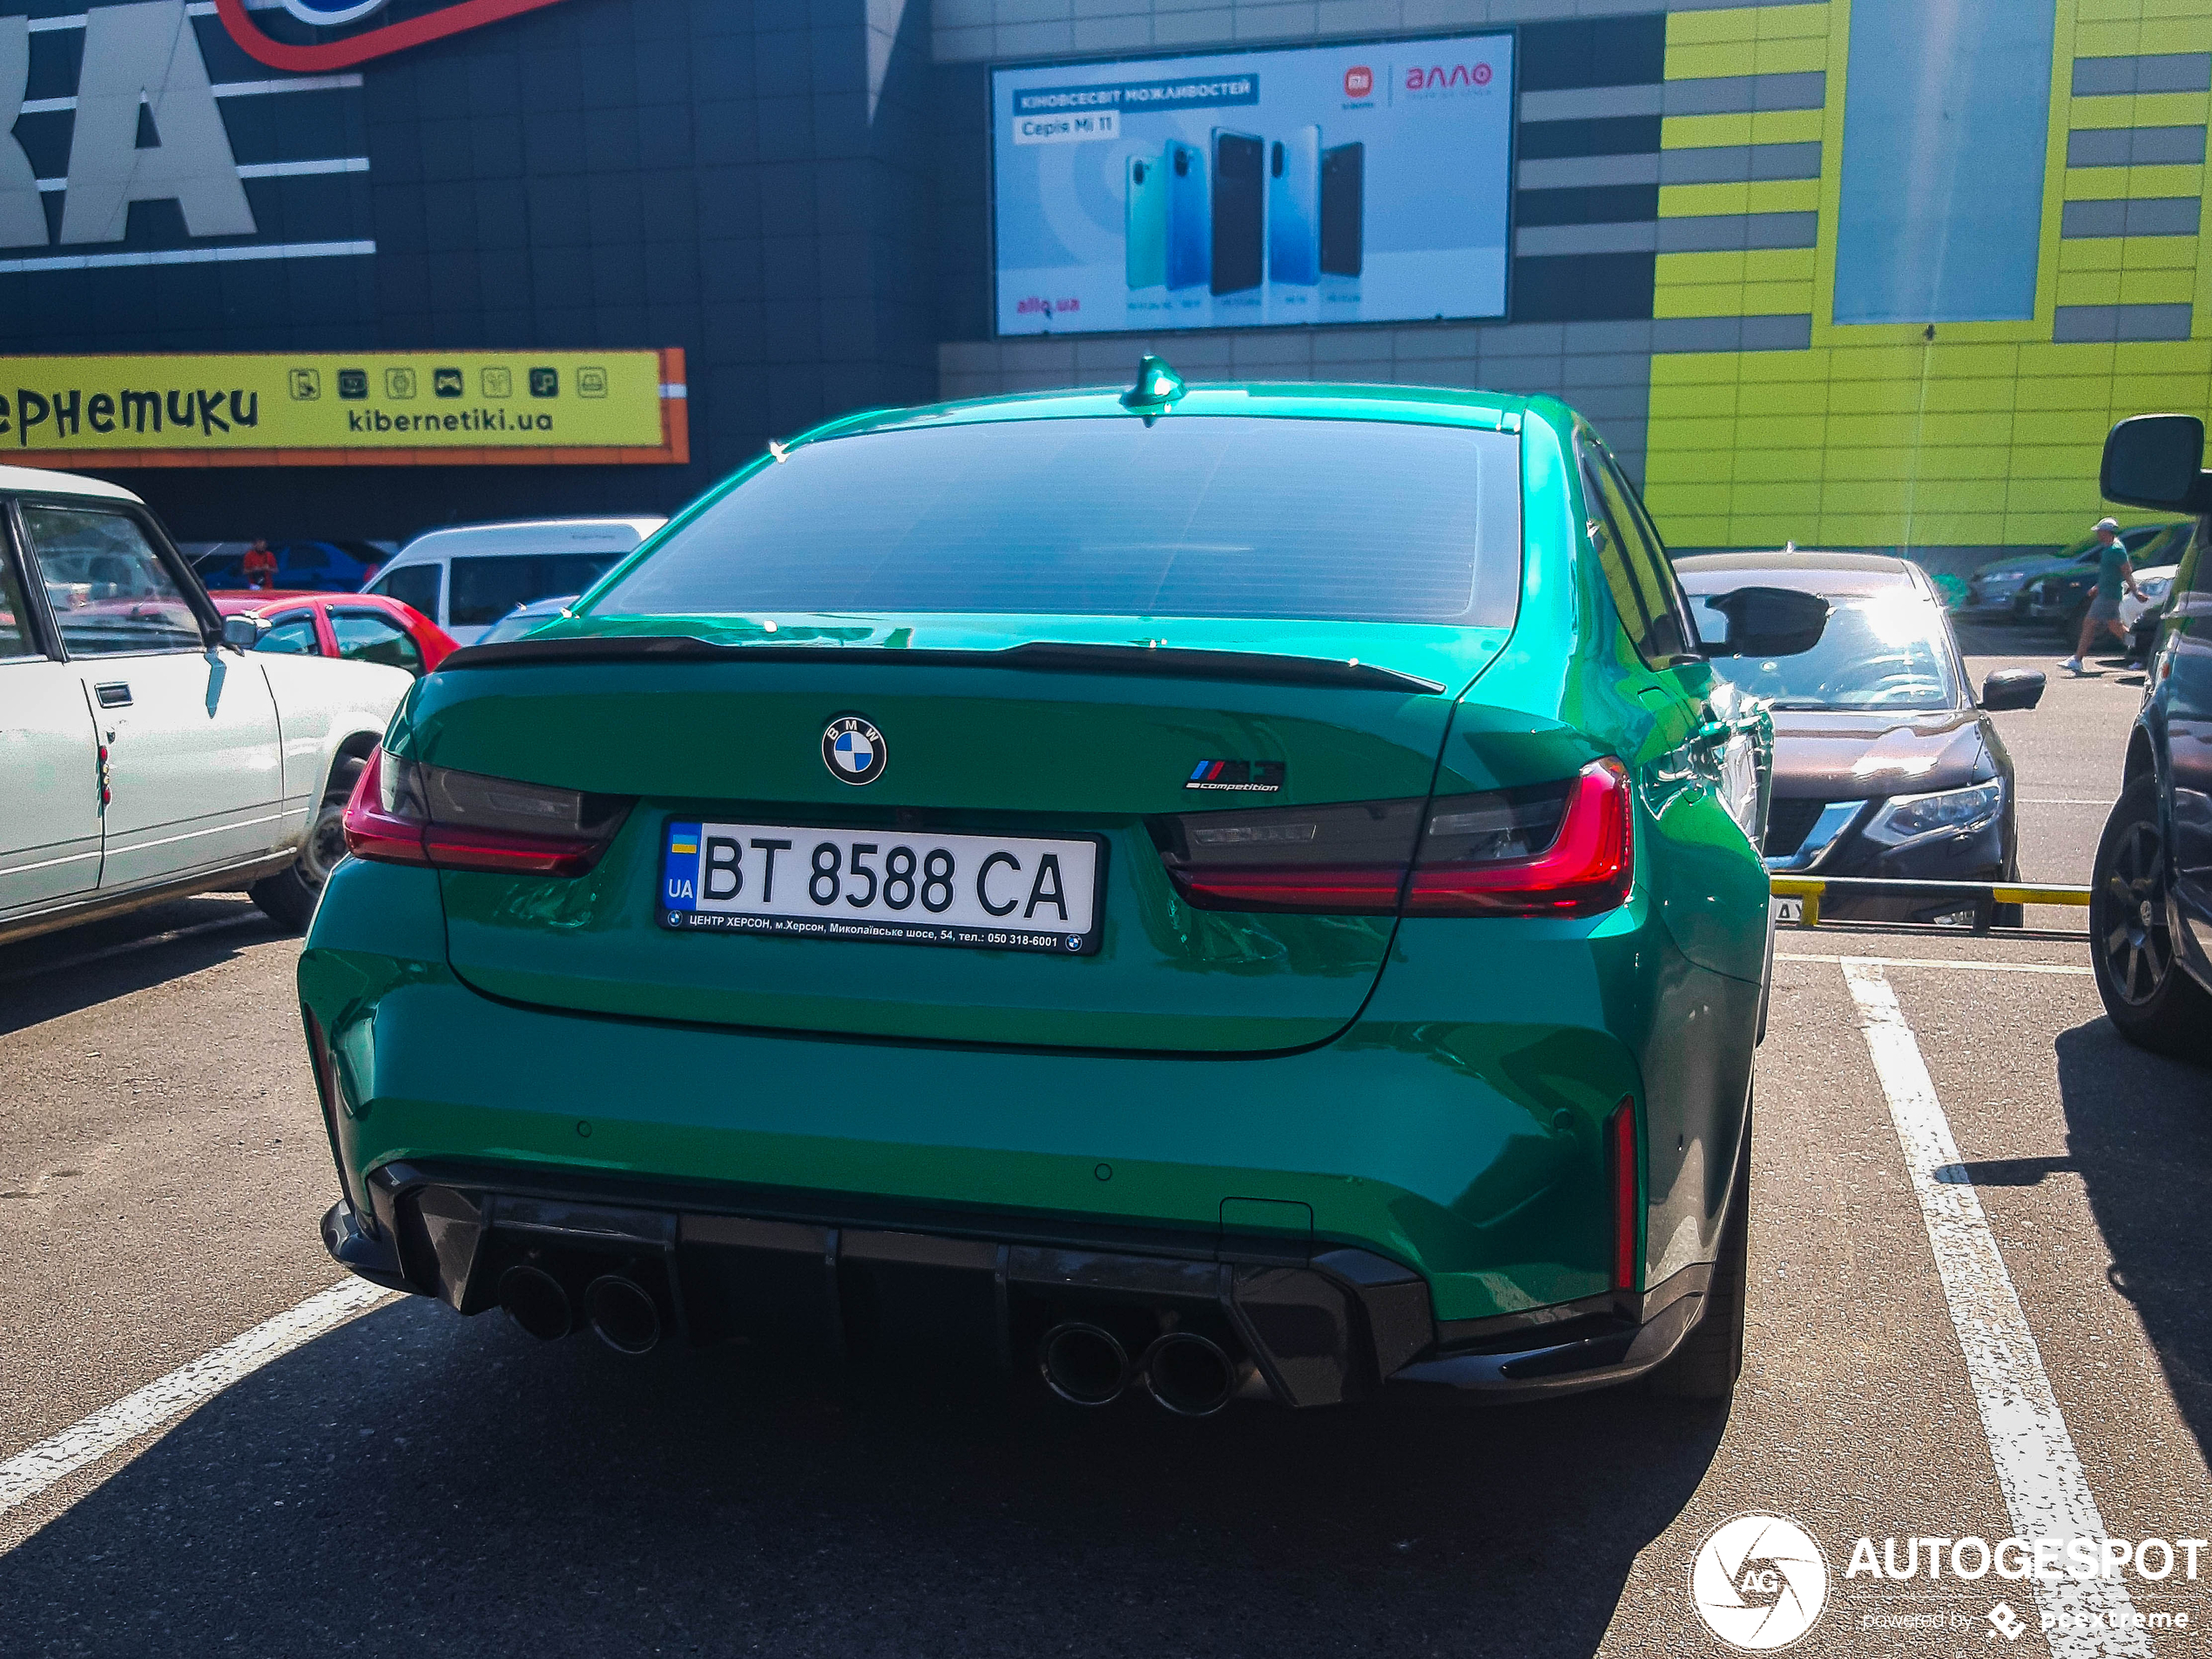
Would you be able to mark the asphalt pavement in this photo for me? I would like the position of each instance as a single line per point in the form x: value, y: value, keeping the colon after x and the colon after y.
x: 409, y: 1482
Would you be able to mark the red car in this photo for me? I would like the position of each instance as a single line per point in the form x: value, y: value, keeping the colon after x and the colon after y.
x: 366, y: 627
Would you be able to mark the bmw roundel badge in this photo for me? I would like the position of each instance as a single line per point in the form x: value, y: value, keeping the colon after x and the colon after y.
x: 853, y: 750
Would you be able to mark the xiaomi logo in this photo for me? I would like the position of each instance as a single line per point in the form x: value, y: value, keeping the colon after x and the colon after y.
x: 1359, y: 81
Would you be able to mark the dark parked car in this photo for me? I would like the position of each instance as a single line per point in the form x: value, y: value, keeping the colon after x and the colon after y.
x: 311, y: 567
x: 2150, y: 893
x: 1993, y: 591
x: 2060, y: 597
x: 1886, y: 764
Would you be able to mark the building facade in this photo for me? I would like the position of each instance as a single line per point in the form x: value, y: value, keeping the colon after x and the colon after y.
x: 1872, y: 274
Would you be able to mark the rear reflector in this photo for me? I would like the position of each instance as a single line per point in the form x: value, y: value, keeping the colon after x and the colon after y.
x: 405, y: 813
x: 1562, y: 849
x: 1626, y: 1171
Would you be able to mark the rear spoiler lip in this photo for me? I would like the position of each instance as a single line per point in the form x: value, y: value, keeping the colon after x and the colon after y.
x: 1043, y: 656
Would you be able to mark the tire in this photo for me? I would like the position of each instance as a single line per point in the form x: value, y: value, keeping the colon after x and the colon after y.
x: 288, y: 897
x: 2009, y: 915
x: 1711, y: 1356
x: 2149, y: 996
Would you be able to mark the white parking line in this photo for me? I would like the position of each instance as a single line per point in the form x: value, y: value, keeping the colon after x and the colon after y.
x: 23, y: 1476
x: 1938, y: 962
x: 2047, y: 1493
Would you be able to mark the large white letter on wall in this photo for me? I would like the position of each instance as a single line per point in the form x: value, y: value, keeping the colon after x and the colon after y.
x: 23, y: 222
x: 150, y: 50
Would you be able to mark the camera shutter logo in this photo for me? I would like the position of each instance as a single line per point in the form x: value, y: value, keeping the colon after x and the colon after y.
x: 1759, y: 1582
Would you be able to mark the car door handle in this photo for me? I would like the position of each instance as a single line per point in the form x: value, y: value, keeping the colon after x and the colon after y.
x: 113, y: 695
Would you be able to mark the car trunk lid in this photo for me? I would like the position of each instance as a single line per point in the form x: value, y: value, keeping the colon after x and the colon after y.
x: 1027, y: 728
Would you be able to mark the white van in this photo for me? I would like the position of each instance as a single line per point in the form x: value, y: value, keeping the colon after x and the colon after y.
x: 466, y: 579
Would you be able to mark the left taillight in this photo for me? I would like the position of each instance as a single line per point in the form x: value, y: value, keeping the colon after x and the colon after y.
x: 1562, y: 849
x: 403, y: 811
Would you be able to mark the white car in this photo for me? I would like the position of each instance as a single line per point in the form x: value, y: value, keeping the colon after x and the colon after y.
x: 2154, y: 584
x: 145, y: 753
x: 471, y: 577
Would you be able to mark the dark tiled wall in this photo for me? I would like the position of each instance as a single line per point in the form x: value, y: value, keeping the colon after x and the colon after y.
x: 714, y: 174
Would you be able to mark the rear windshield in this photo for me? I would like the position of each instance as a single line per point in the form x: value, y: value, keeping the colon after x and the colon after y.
x: 487, y: 586
x: 1192, y: 517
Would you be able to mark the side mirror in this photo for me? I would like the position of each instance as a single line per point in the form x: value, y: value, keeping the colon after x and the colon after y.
x: 2155, y: 461
x: 1768, y: 622
x: 2012, y: 688
x: 241, y: 633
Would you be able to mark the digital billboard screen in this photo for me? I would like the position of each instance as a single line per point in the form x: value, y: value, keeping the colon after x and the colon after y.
x: 1335, y: 184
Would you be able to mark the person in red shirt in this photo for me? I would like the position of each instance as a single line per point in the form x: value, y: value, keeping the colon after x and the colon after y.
x: 260, y: 567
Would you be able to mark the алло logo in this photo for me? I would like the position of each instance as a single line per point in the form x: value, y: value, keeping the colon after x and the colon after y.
x: 1759, y: 1582
x: 853, y: 750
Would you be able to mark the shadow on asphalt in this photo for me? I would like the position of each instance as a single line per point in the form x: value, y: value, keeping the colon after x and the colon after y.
x: 2139, y: 1127
x: 50, y: 975
x: 415, y: 1483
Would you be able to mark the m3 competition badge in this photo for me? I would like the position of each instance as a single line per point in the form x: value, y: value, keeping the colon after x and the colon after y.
x: 853, y: 750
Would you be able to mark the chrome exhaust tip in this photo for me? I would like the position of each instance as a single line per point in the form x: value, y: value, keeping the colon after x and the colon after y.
x: 621, y: 1313
x: 534, y: 1300
x: 1083, y: 1364
x: 1191, y: 1375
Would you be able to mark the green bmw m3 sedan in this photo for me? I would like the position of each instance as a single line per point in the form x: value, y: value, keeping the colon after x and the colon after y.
x: 1241, y: 890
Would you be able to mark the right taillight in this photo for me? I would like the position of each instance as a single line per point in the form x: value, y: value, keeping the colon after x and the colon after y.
x: 403, y: 811
x: 1562, y: 849
x: 1529, y: 851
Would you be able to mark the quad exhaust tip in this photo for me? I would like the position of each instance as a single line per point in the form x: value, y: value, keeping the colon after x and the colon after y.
x: 1191, y: 1375
x: 621, y: 1313
x: 1083, y: 1364
x: 534, y: 1300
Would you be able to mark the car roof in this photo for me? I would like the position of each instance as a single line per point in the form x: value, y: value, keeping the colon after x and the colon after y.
x: 615, y: 534
x: 1808, y: 571
x: 242, y: 599
x: 39, y: 481
x: 1286, y: 399
x: 262, y: 598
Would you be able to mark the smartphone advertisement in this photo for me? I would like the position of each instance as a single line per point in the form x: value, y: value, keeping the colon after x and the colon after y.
x: 1335, y: 184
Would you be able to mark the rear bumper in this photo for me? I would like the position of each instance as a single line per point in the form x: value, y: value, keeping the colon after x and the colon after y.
x: 1454, y: 1133
x: 1321, y: 1326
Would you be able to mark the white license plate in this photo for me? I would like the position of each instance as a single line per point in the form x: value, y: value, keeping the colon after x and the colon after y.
x: 1792, y: 909
x: 902, y: 886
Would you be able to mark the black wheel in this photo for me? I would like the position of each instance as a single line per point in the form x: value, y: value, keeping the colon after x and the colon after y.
x: 2151, y: 999
x: 1711, y: 1356
x: 288, y: 897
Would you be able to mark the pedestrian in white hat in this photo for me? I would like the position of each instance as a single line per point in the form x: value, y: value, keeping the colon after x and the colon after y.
x: 2113, y: 571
